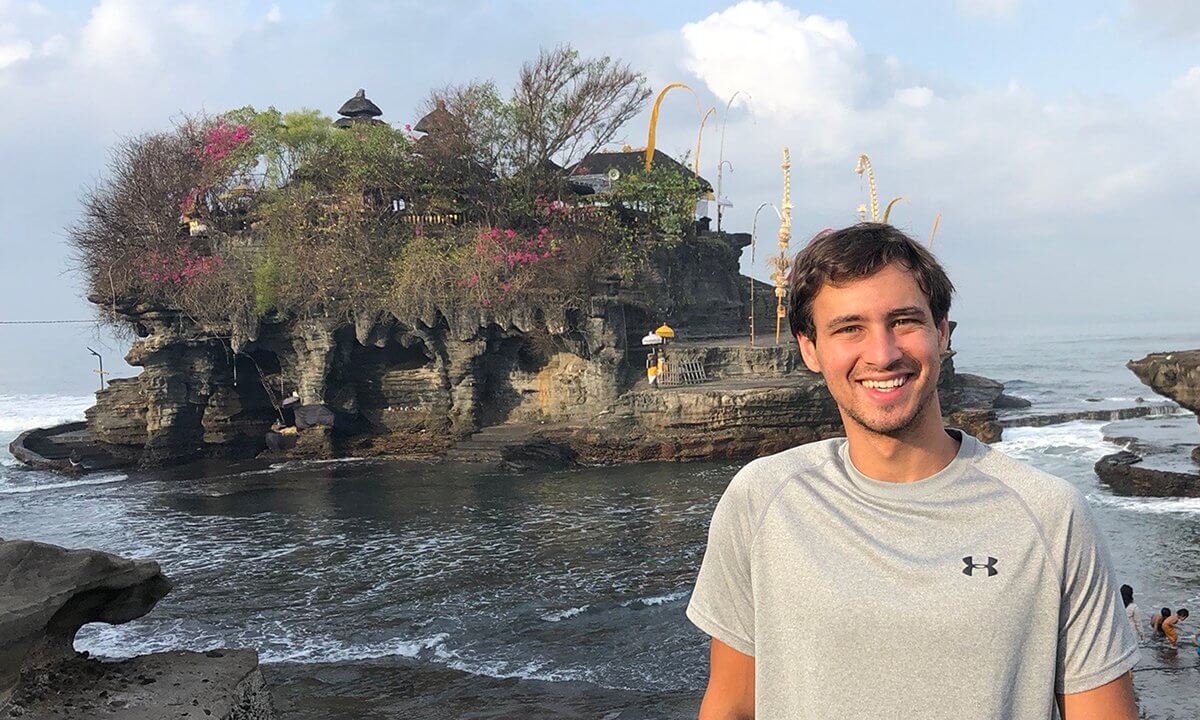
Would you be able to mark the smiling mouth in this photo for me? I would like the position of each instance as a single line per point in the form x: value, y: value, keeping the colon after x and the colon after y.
x: 886, y: 386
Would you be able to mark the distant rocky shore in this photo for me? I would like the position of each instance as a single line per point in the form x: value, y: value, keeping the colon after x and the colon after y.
x: 47, y: 593
x: 1175, y: 375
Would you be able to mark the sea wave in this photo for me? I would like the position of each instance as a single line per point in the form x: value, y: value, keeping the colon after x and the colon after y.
x: 1080, y: 439
x: 560, y: 615
x: 660, y: 599
x: 1153, y: 506
x: 8, y: 487
x: 19, y: 413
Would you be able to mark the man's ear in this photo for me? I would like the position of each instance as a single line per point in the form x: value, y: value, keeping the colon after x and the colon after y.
x: 808, y: 351
x: 944, y: 334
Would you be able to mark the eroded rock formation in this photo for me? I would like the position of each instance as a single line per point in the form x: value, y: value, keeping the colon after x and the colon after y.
x: 47, y: 593
x: 1175, y: 375
x: 548, y: 381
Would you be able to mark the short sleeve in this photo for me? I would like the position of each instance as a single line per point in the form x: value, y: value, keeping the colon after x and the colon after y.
x: 722, y: 603
x: 1096, y: 643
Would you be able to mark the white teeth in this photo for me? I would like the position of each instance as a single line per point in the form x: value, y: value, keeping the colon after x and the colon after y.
x: 886, y: 384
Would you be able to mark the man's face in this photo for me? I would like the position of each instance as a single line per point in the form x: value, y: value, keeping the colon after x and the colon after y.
x: 878, y: 329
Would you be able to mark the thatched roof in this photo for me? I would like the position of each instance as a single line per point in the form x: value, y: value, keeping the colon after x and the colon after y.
x: 359, y: 107
x: 438, y: 120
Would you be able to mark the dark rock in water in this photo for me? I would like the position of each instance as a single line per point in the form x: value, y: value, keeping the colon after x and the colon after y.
x: 47, y: 593
x: 1123, y: 473
x: 1011, y: 402
x: 1055, y: 418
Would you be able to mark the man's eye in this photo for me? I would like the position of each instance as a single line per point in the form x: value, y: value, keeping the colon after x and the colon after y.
x: 845, y: 329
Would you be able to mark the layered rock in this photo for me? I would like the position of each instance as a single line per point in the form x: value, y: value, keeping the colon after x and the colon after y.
x: 1175, y: 375
x: 420, y: 385
x: 1172, y: 374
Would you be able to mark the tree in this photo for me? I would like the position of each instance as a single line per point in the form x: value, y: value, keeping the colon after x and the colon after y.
x: 562, y: 108
x: 565, y: 107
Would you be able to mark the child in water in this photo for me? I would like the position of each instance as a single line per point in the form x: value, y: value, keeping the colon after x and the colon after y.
x: 1169, y: 625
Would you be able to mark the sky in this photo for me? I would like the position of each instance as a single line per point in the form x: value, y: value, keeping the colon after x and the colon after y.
x: 1057, y: 139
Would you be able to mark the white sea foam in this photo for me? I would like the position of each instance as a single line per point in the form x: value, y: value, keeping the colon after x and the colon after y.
x: 23, y: 412
x: 275, y: 643
x: 660, y: 599
x: 1078, y: 438
x: 8, y: 487
x: 1153, y: 506
x: 560, y: 615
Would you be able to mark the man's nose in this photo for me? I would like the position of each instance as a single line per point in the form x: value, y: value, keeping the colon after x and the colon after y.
x: 882, y: 350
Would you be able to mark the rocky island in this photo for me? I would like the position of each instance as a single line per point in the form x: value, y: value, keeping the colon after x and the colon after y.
x: 301, y: 287
x: 1175, y: 375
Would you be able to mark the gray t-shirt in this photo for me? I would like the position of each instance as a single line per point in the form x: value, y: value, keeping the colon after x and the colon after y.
x: 978, y: 592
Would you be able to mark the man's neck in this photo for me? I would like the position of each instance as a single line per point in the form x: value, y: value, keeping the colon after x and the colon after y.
x: 917, y: 455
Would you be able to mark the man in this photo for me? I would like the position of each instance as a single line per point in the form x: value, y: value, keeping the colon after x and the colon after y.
x: 906, y: 570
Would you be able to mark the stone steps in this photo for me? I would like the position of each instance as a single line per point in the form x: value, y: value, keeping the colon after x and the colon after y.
x: 488, y: 445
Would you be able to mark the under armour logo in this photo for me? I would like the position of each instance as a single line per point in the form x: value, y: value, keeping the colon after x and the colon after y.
x: 972, y: 566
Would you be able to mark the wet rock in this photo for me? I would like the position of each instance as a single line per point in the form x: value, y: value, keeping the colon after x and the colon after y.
x: 228, y: 686
x: 1123, y: 472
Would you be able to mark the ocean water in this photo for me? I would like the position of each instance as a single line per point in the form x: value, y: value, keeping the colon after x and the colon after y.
x: 381, y: 588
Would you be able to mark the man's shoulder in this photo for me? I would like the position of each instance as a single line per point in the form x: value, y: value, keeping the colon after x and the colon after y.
x: 1048, y: 497
x: 765, y: 475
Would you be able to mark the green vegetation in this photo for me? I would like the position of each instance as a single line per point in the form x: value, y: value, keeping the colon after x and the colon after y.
x: 270, y: 214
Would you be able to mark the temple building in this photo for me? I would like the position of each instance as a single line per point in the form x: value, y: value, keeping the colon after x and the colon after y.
x: 597, y: 172
x: 358, y: 110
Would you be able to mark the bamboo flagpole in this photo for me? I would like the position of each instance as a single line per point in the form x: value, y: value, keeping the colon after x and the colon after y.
x: 785, y: 235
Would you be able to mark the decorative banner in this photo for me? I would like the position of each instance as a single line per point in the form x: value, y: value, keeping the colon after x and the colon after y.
x: 654, y: 118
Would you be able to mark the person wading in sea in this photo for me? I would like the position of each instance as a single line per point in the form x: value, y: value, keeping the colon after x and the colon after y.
x: 1170, y: 625
x: 981, y: 586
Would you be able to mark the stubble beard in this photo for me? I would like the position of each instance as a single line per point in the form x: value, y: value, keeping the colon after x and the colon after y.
x: 898, y: 427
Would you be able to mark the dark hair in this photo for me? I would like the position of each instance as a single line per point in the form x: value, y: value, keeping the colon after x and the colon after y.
x: 1182, y: 613
x: 1126, y: 594
x: 1166, y: 613
x: 856, y: 252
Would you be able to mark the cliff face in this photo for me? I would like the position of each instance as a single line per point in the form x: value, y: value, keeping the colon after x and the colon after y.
x: 1175, y: 375
x: 418, y: 385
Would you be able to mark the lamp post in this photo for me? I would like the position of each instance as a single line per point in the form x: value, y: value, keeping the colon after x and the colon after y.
x: 753, y: 236
x: 721, y: 153
x: 100, y: 372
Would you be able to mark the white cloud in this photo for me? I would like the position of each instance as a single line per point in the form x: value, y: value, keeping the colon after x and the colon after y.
x: 918, y: 96
x: 12, y: 53
x: 988, y: 9
x: 791, y: 65
x: 274, y: 15
x: 54, y: 46
x: 117, y: 32
x: 1166, y: 18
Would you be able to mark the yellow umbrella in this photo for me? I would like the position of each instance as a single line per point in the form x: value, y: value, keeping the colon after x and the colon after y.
x: 665, y: 331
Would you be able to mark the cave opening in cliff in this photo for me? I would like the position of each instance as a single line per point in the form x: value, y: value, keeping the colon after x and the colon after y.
x: 395, y: 385
x: 509, y: 379
x: 257, y: 371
